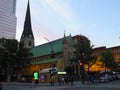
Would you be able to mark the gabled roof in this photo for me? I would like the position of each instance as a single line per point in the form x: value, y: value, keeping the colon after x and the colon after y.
x: 45, y: 49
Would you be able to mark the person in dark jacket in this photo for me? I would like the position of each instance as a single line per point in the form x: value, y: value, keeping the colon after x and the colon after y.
x: 1, y: 86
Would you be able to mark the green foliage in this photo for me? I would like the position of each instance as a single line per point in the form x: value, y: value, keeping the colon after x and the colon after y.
x: 69, y: 70
x: 13, y: 56
x: 83, y: 50
x: 108, y: 59
x: 8, y: 48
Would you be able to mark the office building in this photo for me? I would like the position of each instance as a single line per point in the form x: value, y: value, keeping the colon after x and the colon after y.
x: 7, y: 19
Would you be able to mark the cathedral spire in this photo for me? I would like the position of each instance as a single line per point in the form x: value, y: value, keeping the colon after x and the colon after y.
x: 27, y: 31
x: 64, y: 38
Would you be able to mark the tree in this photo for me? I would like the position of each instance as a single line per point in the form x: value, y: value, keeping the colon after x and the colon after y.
x: 8, y: 49
x: 22, y: 56
x: 83, y: 53
x: 13, y: 56
x: 108, y: 60
x: 69, y: 70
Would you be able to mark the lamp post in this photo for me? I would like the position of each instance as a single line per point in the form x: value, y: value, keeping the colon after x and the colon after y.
x: 52, y: 51
x: 53, y: 65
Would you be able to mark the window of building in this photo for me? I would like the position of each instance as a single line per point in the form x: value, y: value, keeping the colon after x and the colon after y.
x: 30, y: 35
x: 75, y: 41
x: 118, y: 57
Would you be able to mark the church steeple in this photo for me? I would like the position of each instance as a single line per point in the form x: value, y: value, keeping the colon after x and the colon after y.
x: 27, y: 36
x: 64, y: 38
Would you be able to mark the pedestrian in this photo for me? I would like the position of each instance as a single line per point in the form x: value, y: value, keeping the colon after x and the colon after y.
x: 66, y: 80
x: 1, y: 86
x: 63, y: 80
x: 51, y: 80
x: 71, y: 80
x: 59, y: 81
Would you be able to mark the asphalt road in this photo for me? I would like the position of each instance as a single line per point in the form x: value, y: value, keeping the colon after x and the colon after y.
x: 113, y: 85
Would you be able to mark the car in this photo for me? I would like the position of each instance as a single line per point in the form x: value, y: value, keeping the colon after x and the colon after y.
x: 102, y: 79
x: 105, y: 78
x: 118, y: 76
x: 1, y: 86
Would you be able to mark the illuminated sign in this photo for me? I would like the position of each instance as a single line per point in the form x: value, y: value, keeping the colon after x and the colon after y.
x: 61, y: 73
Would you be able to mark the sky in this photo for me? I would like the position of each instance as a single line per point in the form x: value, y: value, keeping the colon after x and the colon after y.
x: 98, y: 20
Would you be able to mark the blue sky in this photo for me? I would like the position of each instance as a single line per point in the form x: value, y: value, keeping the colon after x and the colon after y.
x: 99, y: 20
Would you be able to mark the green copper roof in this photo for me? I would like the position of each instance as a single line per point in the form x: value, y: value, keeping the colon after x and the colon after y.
x: 45, y: 49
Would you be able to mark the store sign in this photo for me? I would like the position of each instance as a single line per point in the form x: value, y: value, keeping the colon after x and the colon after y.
x: 61, y: 73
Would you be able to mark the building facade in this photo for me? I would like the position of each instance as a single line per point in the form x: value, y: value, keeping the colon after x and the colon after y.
x: 43, y: 58
x: 8, y: 19
x: 57, y: 53
x: 97, y: 52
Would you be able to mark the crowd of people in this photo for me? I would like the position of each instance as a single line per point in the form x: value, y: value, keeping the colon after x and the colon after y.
x: 62, y: 80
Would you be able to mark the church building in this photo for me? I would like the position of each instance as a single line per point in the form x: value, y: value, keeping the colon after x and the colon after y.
x: 57, y: 53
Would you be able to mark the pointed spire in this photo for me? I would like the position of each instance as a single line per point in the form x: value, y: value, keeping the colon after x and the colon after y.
x: 70, y: 35
x: 27, y: 32
x: 64, y: 38
x: 27, y: 36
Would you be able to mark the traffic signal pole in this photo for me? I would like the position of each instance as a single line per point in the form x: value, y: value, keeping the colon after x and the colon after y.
x: 82, y: 72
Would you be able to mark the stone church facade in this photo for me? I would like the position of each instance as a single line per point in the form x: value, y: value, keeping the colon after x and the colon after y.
x: 43, y: 55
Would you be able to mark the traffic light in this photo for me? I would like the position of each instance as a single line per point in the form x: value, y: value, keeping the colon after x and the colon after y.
x: 81, y: 66
x: 36, y: 75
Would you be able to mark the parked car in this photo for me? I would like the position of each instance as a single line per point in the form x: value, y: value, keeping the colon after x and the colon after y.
x: 118, y: 76
x: 114, y: 76
x: 106, y: 78
x: 102, y: 79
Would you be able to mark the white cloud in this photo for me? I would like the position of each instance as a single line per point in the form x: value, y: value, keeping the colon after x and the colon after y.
x: 61, y: 9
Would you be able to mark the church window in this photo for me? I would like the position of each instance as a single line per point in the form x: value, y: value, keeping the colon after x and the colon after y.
x: 30, y: 35
x: 75, y: 41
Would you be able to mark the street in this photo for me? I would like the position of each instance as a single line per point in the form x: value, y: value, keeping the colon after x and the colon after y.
x: 113, y: 85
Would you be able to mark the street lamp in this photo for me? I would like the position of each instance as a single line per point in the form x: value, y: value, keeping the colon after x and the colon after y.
x: 53, y: 65
x: 52, y: 51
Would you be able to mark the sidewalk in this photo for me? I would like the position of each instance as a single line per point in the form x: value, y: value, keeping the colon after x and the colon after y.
x: 76, y: 83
